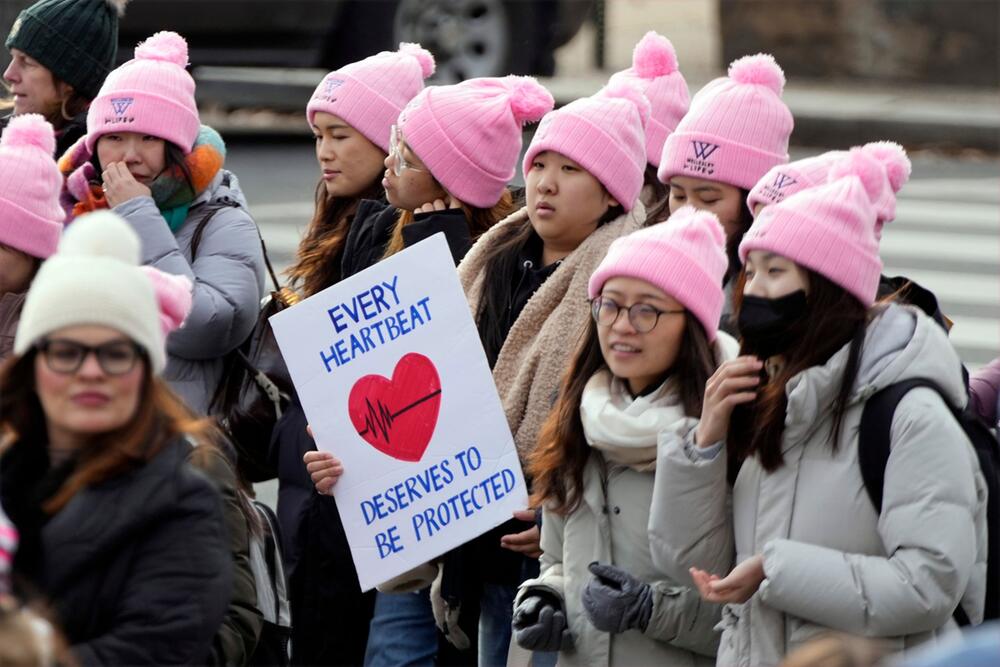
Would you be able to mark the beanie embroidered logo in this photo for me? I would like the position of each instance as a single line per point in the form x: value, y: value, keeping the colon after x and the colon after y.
x: 329, y: 86
x: 14, y: 29
x: 120, y: 105
x: 700, y: 163
x: 775, y: 191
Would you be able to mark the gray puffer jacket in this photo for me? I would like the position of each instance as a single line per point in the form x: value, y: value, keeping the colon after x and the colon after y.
x: 228, y: 277
x: 830, y: 561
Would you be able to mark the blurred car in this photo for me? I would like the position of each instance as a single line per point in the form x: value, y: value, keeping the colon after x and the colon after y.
x: 468, y: 38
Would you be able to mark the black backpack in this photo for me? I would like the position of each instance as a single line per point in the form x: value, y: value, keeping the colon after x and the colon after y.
x: 873, y: 454
x: 255, y: 388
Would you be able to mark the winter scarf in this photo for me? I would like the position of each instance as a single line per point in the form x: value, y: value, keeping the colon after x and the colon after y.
x: 173, y: 195
x: 623, y: 428
x: 539, y: 345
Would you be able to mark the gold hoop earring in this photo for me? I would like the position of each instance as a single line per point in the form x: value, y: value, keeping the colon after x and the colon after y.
x: 62, y: 110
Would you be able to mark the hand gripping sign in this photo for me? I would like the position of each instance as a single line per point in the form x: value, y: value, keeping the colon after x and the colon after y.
x: 393, y: 380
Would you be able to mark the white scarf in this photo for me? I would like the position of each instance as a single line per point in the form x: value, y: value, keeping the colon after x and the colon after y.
x: 623, y: 428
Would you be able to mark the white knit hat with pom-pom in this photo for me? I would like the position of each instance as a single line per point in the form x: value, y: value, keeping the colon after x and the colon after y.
x: 605, y: 134
x: 654, y: 72
x: 369, y: 94
x: 151, y: 94
x: 31, y: 218
x: 829, y: 228
x: 736, y: 129
x: 469, y: 135
x: 95, y: 279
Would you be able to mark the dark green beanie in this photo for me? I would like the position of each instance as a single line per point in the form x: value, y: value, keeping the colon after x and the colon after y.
x: 76, y: 40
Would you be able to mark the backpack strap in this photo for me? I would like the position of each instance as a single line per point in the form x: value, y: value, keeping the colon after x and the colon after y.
x: 874, y: 436
x: 275, y: 567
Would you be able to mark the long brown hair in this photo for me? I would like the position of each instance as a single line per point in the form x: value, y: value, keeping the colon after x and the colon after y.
x: 479, y: 219
x: 161, y: 416
x: 317, y: 264
x: 557, y: 464
x: 834, y: 317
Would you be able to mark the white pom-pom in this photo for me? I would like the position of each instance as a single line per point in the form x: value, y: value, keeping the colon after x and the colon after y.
x: 866, y: 168
x: 760, y: 69
x: 29, y: 129
x: 893, y: 157
x: 118, y: 6
x: 422, y: 55
x: 101, y: 234
x: 654, y: 56
x: 627, y: 91
x: 529, y: 100
x: 165, y: 46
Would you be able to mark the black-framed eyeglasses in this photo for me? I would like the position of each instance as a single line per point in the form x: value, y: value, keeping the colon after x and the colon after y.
x: 65, y: 357
x: 642, y: 316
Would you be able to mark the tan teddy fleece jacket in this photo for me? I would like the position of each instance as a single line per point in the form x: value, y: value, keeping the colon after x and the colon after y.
x: 542, y: 341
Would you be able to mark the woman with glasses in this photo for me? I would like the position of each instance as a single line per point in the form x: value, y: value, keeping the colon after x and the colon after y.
x: 640, y: 370
x: 117, y: 532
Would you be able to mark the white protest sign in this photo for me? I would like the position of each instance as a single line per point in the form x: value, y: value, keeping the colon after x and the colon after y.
x: 392, y: 376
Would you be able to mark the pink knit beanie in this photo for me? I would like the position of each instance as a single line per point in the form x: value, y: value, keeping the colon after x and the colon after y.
x: 829, y: 228
x: 31, y: 218
x: 785, y: 180
x: 605, y: 134
x: 469, y: 135
x: 370, y: 94
x: 150, y: 94
x: 736, y: 129
x: 654, y: 72
x: 684, y: 256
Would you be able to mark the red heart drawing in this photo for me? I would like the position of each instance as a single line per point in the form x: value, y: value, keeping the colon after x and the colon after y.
x: 397, y: 417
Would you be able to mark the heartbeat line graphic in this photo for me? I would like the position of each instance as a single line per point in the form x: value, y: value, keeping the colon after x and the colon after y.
x: 380, y: 418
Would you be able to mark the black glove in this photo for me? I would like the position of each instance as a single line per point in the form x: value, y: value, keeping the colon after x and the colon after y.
x: 540, y: 624
x: 616, y: 601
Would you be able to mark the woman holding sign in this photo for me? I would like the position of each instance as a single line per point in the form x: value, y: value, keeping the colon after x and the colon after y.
x: 639, y: 371
x: 351, y: 113
x: 452, y: 153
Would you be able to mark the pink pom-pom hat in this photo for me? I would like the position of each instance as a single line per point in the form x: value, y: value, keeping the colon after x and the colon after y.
x: 151, y: 94
x: 684, y: 256
x: 828, y: 228
x: 469, y: 135
x: 31, y: 218
x: 605, y: 134
x: 370, y: 94
x: 654, y: 71
x: 736, y: 129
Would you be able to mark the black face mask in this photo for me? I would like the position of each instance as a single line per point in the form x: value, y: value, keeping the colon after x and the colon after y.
x: 770, y: 326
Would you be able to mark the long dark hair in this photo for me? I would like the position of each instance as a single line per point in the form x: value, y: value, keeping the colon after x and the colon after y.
x: 733, y: 241
x: 658, y: 209
x: 317, y: 264
x: 501, y: 271
x: 834, y: 317
x: 160, y: 417
x: 557, y: 464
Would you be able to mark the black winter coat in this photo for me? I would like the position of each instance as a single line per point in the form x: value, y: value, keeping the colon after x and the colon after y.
x: 137, y: 568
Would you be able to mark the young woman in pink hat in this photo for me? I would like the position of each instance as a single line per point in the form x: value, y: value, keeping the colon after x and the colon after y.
x: 31, y: 219
x: 736, y: 129
x: 452, y: 152
x: 764, y: 498
x: 640, y: 370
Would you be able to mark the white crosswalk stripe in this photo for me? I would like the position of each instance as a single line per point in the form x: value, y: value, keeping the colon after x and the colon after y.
x: 946, y: 237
